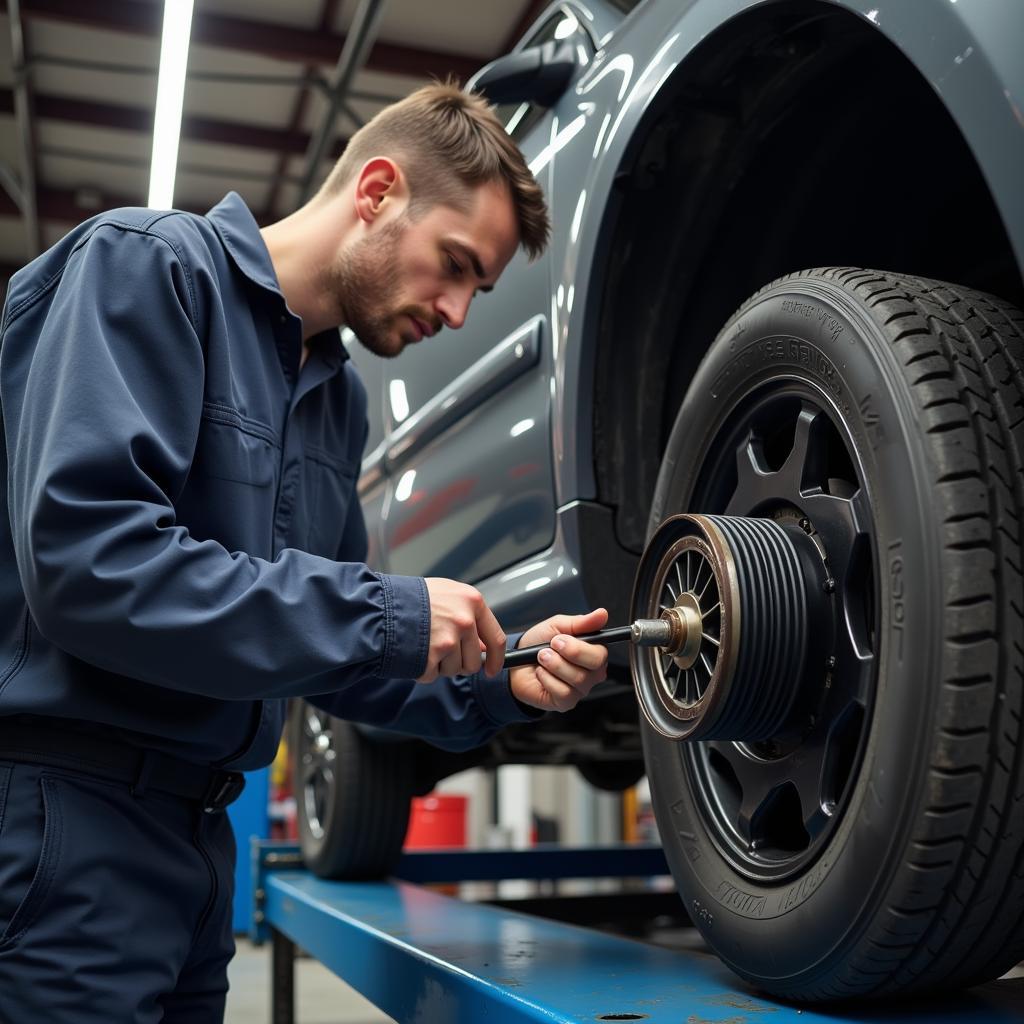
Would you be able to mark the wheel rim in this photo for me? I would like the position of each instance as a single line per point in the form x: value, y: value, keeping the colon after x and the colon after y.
x: 771, y: 806
x: 317, y: 758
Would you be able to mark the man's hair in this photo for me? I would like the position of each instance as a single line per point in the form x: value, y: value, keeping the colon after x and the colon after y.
x: 448, y: 142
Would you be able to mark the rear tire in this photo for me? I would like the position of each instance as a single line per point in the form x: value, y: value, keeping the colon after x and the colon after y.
x: 913, y: 879
x: 352, y: 796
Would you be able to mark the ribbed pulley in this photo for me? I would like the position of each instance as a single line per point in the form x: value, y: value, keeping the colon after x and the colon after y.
x: 736, y: 591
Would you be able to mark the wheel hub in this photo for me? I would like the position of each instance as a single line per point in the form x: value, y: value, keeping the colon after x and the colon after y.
x: 740, y: 597
x: 687, y: 625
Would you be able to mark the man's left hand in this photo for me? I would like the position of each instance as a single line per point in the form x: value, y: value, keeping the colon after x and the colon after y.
x: 568, y: 670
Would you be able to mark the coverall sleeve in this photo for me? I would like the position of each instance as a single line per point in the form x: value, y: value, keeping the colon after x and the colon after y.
x: 101, y: 411
x: 453, y: 713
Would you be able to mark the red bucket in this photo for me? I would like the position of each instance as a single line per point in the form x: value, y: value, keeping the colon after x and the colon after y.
x: 438, y: 819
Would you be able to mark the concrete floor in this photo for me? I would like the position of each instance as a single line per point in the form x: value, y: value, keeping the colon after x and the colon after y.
x: 320, y: 996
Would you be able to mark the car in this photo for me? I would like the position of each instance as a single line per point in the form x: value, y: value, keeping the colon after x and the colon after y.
x: 767, y: 385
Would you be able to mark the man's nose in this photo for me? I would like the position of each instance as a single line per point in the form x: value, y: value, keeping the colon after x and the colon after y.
x: 452, y: 307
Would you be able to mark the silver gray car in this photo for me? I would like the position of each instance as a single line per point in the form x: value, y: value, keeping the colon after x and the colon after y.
x: 767, y: 385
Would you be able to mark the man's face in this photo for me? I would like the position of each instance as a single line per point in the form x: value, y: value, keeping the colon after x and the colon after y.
x: 409, y: 278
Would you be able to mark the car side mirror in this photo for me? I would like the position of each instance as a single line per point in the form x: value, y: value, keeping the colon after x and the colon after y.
x: 538, y: 74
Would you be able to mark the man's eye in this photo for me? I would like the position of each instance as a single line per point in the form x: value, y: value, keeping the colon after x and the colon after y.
x: 453, y: 265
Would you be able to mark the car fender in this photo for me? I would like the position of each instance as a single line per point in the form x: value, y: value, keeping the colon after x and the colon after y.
x: 968, y: 53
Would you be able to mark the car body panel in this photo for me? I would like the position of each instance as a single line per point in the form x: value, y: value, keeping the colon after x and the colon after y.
x: 984, y: 94
x: 968, y: 52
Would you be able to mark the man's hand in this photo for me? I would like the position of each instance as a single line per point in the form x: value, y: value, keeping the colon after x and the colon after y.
x: 567, y: 671
x: 461, y: 627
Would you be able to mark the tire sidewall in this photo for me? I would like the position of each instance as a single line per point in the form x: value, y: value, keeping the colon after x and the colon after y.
x: 819, y: 334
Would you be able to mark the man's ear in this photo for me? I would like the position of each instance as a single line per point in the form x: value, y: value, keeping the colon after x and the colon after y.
x: 378, y: 185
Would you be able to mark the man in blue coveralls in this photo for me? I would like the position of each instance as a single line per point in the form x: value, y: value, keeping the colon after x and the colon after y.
x: 183, y: 548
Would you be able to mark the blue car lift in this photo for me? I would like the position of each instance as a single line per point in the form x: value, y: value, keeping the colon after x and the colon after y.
x: 427, y: 958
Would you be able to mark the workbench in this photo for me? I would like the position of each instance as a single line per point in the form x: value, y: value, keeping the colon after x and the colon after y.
x: 424, y: 957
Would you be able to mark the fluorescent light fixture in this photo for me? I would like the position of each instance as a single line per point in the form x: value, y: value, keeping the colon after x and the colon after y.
x: 170, y: 91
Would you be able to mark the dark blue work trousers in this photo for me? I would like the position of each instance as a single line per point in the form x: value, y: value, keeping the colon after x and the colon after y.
x: 113, y: 907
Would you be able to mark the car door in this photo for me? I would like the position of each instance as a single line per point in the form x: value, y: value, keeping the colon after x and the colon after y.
x: 464, y: 476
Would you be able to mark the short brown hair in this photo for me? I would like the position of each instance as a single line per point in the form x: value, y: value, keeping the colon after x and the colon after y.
x: 449, y: 142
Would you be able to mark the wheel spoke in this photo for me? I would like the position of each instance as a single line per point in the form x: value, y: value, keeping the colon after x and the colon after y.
x: 835, y: 519
x: 852, y: 676
x: 843, y: 733
x: 696, y: 579
x: 752, y: 477
x: 679, y: 684
x: 756, y: 788
x: 805, y: 468
x: 805, y: 775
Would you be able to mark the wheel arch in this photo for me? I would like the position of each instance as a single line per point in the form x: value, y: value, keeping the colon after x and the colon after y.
x: 777, y: 156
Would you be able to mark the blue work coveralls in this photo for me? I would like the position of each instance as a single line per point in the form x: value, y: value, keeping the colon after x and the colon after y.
x: 183, y: 550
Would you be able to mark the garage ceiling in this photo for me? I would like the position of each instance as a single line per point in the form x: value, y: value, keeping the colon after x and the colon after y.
x: 256, y: 93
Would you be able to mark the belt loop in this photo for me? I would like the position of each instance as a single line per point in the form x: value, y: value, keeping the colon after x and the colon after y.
x: 138, y: 787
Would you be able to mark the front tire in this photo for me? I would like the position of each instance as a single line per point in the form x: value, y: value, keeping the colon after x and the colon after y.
x: 876, y: 848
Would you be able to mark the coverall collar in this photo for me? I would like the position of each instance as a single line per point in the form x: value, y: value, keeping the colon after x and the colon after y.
x: 240, y: 234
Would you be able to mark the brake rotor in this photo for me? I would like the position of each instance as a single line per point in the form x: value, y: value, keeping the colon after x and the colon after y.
x: 739, y: 596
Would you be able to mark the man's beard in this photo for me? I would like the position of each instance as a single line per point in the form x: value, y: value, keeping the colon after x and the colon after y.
x: 364, y: 284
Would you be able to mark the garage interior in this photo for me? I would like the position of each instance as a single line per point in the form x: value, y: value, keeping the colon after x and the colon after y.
x: 272, y: 92
x: 269, y: 87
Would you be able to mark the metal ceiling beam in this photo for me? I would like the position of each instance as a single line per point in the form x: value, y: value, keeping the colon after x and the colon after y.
x: 269, y: 39
x: 23, y: 116
x: 236, y: 174
x: 66, y: 206
x: 312, y: 78
x: 140, y: 119
x: 358, y: 43
x: 328, y: 13
x: 11, y: 185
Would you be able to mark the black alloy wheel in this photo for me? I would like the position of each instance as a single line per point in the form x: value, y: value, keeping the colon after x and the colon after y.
x: 773, y: 775
x: 774, y: 802
x: 866, y: 840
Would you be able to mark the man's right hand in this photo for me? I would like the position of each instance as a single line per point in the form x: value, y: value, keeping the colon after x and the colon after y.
x: 461, y: 626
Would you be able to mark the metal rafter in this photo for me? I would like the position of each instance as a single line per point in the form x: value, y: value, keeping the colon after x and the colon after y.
x: 312, y: 79
x: 233, y: 173
x: 269, y: 39
x: 140, y: 119
x: 358, y: 43
x: 22, y: 102
x: 328, y: 12
x: 66, y: 205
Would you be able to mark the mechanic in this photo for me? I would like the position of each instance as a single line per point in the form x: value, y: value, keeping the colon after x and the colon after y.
x: 183, y: 546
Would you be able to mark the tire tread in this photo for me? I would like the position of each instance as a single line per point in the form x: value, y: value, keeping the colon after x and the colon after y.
x: 958, y: 347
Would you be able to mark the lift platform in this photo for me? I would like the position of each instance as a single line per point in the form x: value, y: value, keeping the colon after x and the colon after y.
x: 424, y: 957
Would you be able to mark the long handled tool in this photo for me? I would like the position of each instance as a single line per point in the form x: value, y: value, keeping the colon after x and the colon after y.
x: 645, y: 632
